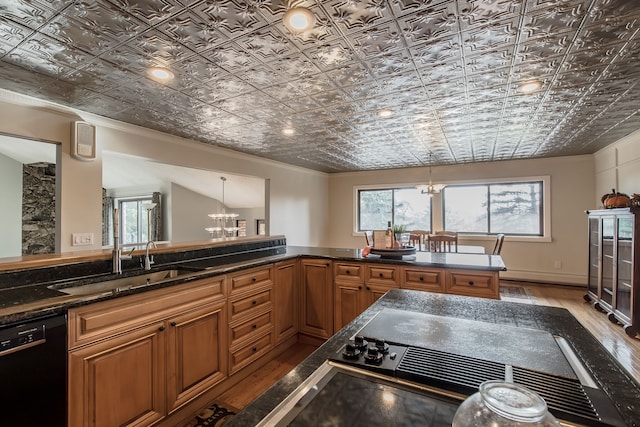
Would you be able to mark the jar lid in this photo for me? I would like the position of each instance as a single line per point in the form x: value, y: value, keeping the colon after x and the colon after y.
x: 513, y: 401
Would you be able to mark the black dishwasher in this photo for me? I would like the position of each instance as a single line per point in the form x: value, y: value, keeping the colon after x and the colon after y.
x: 33, y: 371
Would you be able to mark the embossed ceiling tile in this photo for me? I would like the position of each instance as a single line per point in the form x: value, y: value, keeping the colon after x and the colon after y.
x: 32, y: 14
x: 431, y: 24
x: 481, y: 13
x: 267, y: 44
x: 150, y: 11
x: 129, y: 58
x: 442, y: 73
x: 38, y: 53
x: 353, y: 15
x: 312, y: 84
x: 230, y: 17
x: 11, y: 34
x: 390, y: 65
x: 428, y: 55
x: 377, y: 40
x: 261, y: 76
x: 615, y: 16
x: 328, y: 56
x: 98, y: 20
x: 107, y: 75
x: 84, y: 39
x: 231, y: 57
x: 159, y: 47
x: 193, y: 31
x: 349, y: 75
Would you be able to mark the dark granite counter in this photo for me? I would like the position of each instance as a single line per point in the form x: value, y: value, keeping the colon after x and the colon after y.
x: 605, y: 370
x: 25, y: 294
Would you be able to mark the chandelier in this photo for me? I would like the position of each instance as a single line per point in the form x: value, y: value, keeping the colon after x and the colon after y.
x: 224, y: 223
x: 431, y: 188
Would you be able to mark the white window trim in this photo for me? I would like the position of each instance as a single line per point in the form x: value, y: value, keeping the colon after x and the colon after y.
x: 546, y: 205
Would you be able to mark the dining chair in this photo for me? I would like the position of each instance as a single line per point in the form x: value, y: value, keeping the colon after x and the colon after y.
x: 418, y: 238
x: 442, y: 243
x: 498, y: 246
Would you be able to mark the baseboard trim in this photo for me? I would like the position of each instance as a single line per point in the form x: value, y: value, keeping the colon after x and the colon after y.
x: 544, y: 277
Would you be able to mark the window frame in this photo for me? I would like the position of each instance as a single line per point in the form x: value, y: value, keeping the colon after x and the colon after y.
x: 381, y: 187
x: 142, y: 219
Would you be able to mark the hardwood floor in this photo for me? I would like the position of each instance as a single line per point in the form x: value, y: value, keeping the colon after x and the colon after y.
x: 612, y: 336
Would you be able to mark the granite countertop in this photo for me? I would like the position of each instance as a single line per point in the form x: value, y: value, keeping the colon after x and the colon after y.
x: 26, y: 294
x: 604, y: 369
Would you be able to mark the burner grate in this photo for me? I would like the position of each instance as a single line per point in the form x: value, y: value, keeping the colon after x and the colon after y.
x: 565, y: 397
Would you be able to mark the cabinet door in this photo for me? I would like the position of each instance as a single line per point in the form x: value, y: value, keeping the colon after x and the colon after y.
x: 120, y: 381
x: 317, y: 298
x: 608, y: 259
x: 624, y: 264
x: 196, y: 352
x: 286, y: 303
x: 349, y: 303
x: 374, y: 291
x: 594, y: 256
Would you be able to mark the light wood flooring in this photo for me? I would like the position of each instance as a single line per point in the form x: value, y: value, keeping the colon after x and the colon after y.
x: 621, y: 346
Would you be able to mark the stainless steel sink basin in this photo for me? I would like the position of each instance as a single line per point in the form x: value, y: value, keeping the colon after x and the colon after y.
x: 121, y: 284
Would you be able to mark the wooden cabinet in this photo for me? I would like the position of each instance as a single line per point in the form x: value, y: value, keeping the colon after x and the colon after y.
x: 316, y: 293
x: 135, y: 359
x: 485, y: 284
x: 250, y: 315
x: 357, y: 286
x: 614, y: 265
x: 286, y: 300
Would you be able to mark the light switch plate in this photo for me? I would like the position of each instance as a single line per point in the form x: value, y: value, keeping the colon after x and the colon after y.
x: 82, y: 239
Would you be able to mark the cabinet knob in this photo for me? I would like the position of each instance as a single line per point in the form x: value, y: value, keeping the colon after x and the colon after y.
x: 421, y: 278
x: 254, y: 302
x: 254, y: 349
x: 470, y: 282
x: 254, y: 326
x: 368, y: 288
x: 380, y: 274
x: 173, y: 324
x: 161, y: 328
x: 347, y: 272
x: 359, y: 287
x: 254, y: 279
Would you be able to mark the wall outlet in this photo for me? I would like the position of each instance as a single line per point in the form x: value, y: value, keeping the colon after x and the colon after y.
x: 82, y: 239
x: 557, y: 264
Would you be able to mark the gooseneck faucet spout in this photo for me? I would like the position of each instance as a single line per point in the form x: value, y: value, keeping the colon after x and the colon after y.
x: 148, y: 260
x: 116, y: 254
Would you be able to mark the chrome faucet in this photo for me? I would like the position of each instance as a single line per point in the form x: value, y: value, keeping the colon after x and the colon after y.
x: 117, y: 257
x: 148, y: 260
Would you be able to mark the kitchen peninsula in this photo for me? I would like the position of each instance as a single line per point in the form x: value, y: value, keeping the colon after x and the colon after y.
x: 621, y: 391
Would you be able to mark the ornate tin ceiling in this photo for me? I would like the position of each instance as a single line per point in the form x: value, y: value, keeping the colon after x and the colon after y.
x: 449, y: 69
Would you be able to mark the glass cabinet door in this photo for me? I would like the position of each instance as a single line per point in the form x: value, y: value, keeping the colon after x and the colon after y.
x: 608, y: 261
x: 594, y: 256
x: 624, y: 265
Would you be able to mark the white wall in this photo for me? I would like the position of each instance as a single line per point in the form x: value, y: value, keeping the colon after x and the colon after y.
x: 11, y: 212
x: 618, y: 166
x: 298, y: 199
x: 189, y: 212
x: 572, y: 188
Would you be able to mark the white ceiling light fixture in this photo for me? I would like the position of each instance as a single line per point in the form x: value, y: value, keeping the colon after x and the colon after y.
x: 160, y: 74
x: 385, y: 113
x: 431, y: 188
x: 530, y: 86
x: 288, y: 131
x: 299, y: 19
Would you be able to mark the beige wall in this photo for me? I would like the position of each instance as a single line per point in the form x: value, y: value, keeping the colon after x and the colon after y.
x: 298, y: 197
x: 572, y: 187
x: 618, y: 166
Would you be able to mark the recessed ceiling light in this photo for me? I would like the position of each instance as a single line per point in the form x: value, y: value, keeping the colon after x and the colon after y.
x: 530, y: 86
x: 160, y: 74
x: 299, y: 19
x: 385, y: 113
x: 288, y: 131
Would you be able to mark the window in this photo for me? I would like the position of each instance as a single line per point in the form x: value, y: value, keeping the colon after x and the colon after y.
x: 133, y: 220
x: 509, y: 208
x: 401, y: 206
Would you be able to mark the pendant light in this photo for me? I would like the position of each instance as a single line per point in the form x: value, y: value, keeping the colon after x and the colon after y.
x: 224, y: 222
x: 431, y: 188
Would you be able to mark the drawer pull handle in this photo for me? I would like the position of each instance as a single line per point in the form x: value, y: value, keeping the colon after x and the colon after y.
x: 348, y: 272
x: 421, y: 279
x: 255, y: 349
x: 254, y: 279
x: 368, y: 288
x: 161, y: 328
x: 173, y: 324
x: 254, y: 302
x: 254, y: 326
x: 470, y: 282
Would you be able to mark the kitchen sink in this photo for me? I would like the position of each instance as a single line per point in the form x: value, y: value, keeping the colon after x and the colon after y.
x: 121, y: 284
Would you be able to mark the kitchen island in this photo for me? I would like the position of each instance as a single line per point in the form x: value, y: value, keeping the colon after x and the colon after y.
x: 622, y: 391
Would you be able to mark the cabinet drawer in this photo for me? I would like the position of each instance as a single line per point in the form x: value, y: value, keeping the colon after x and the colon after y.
x: 97, y: 321
x: 251, y: 304
x: 246, y: 280
x: 472, y: 283
x: 383, y: 275
x: 349, y: 272
x: 244, y: 355
x: 249, y: 328
x: 431, y: 280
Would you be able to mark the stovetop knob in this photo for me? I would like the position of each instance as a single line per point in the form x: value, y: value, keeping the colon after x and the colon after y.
x: 382, y: 346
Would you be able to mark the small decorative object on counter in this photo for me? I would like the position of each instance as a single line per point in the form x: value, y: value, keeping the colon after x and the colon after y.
x: 500, y: 403
x: 635, y: 200
x: 388, y: 238
x: 615, y: 200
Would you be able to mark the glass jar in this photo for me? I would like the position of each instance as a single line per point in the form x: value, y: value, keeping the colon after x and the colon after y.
x: 500, y: 403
